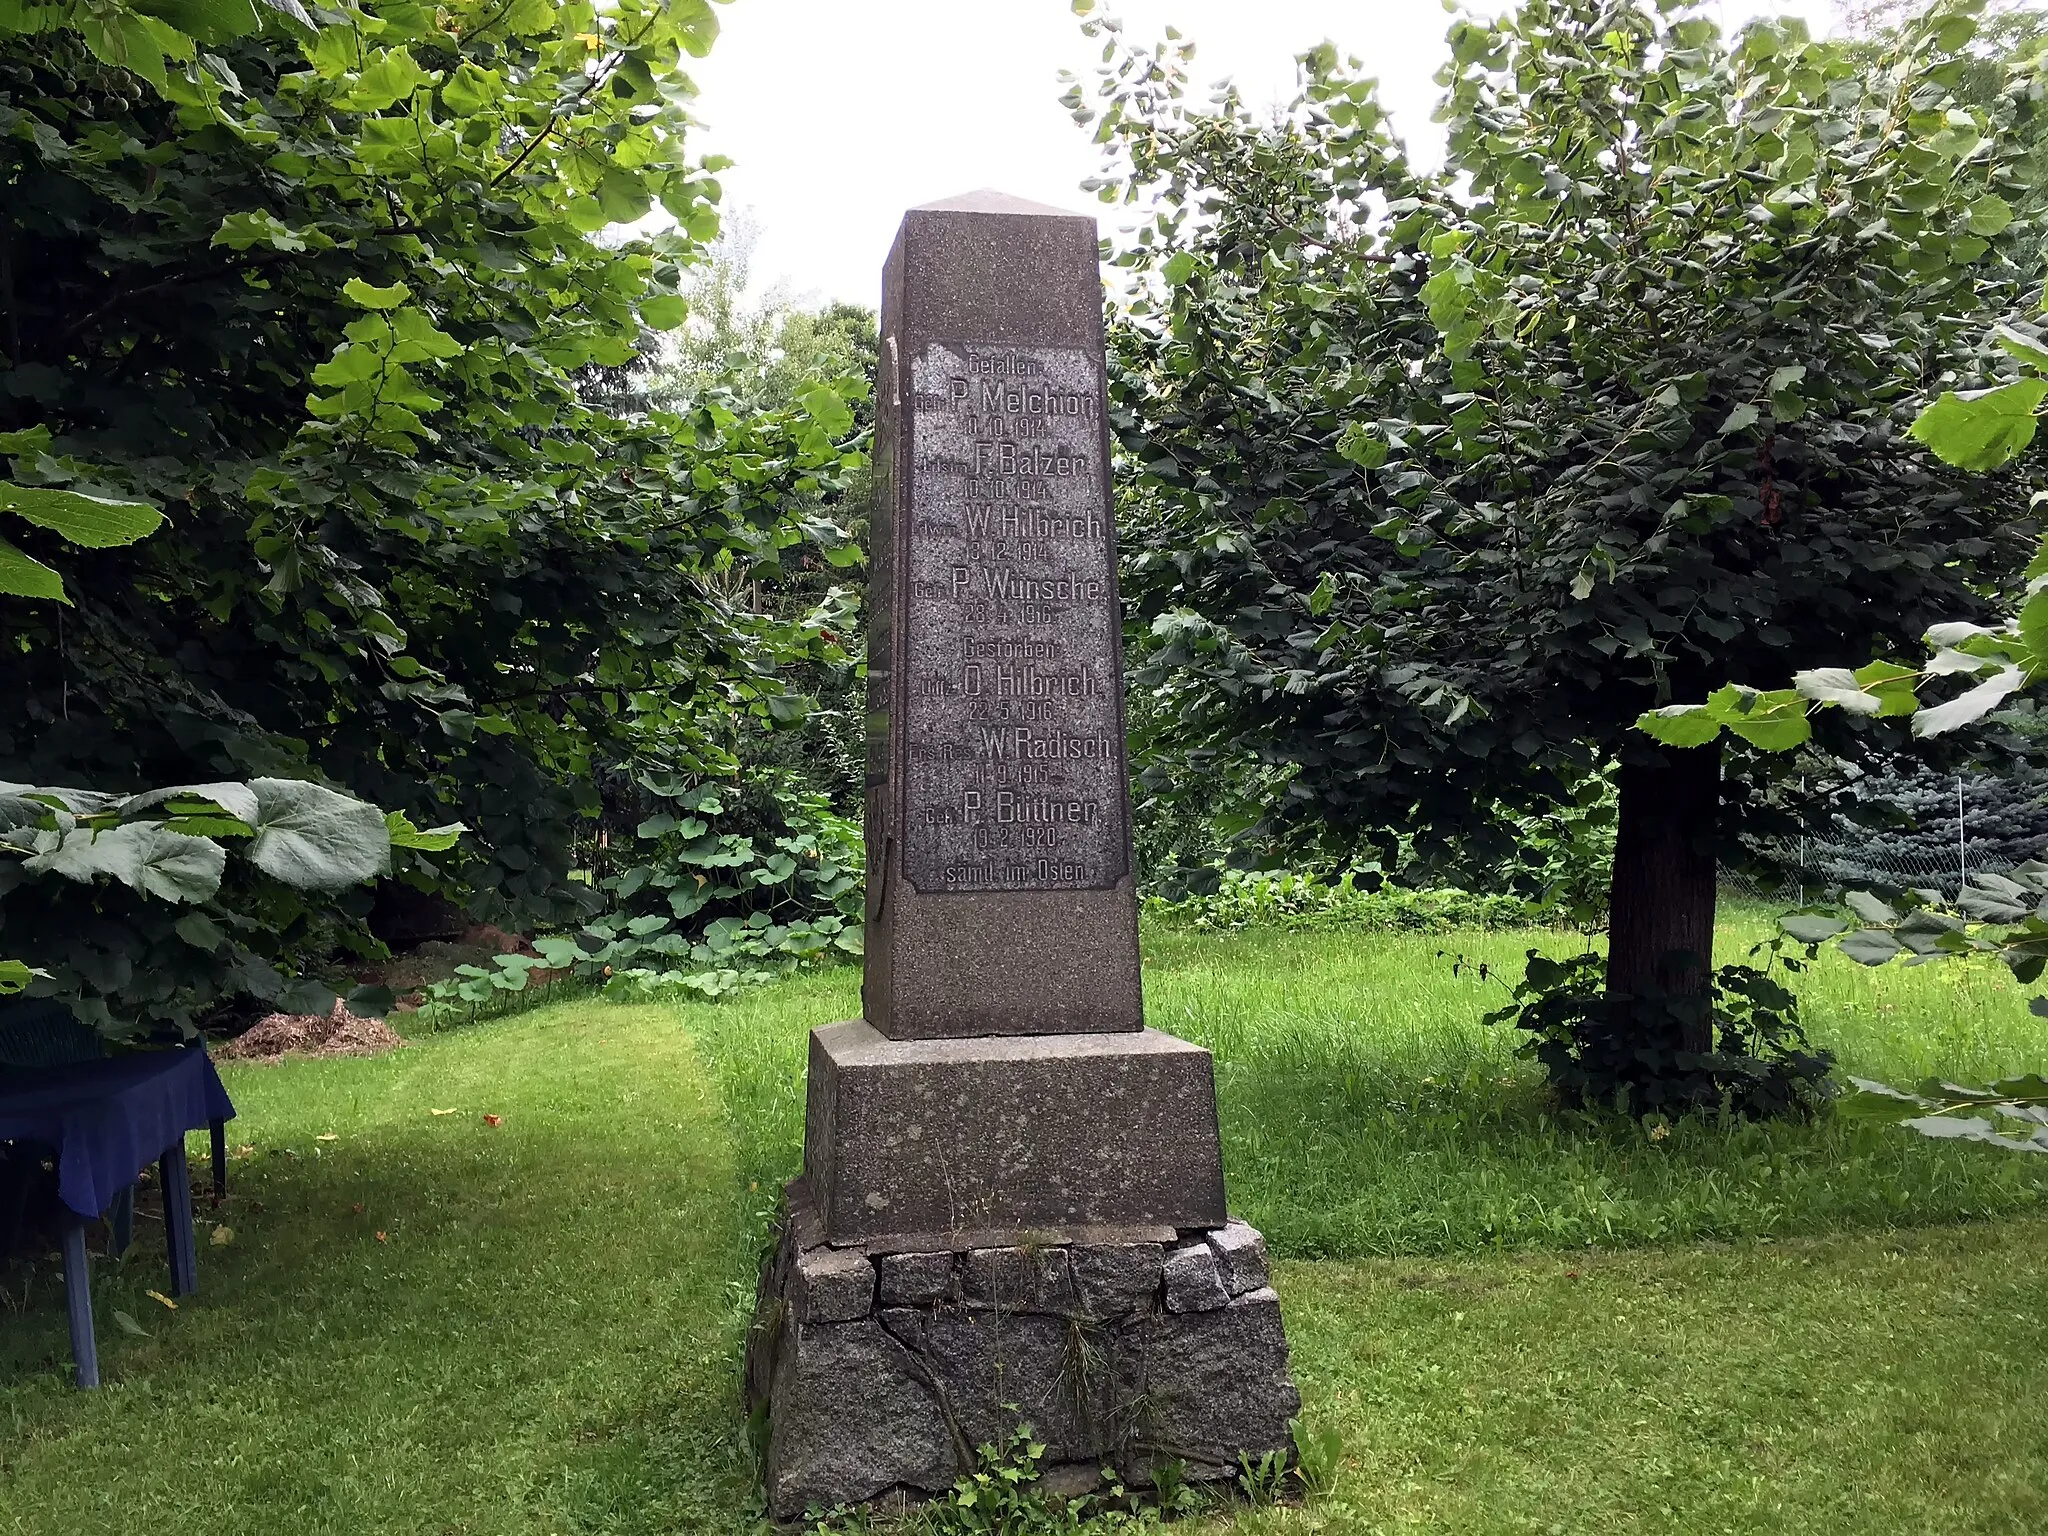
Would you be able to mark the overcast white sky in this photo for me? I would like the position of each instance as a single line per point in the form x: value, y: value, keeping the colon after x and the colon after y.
x: 840, y: 114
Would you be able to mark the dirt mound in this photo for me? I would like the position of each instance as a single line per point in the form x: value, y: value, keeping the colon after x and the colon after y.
x: 340, y: 1033
x: 436, y: 960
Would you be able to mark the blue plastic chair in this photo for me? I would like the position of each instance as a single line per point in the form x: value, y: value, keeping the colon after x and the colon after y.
x: 43, y: 1032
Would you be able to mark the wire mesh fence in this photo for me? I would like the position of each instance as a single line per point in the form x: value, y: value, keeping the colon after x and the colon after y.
x: 1821, y: 871
x: 1968, y: 824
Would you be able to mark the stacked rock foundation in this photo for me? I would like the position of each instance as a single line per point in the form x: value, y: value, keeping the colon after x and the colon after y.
x: 882, y: 1374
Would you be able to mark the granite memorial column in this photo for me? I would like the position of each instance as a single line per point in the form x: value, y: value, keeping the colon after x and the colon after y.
x: 1012, y: 1190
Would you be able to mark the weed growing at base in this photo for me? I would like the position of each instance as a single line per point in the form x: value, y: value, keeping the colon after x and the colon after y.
x: 1003, y: 1495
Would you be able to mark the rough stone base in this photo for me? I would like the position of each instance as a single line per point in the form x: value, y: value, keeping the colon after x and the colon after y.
x: 882, y: 1373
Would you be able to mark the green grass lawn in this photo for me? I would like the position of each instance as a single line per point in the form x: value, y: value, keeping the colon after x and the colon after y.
x: 1521, y: 1322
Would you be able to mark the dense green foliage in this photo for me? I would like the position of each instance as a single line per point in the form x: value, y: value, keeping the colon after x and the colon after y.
x: 796, y: 901
x: 1754, y: 1058
x: 2011, y: 1114
x: 759, y: 346
x: 1435, y: 482
x: 1308, y: 901
x: 1981, y: 430
x: 764, y: 353
x: 326, y: 299
x: 167, y: 938
x: 75, y: 517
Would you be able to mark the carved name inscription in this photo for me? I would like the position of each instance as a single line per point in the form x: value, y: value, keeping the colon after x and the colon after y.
x: 1013, y: 753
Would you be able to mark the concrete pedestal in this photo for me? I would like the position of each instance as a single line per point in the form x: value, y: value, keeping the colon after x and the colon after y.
x: 944, y: 1144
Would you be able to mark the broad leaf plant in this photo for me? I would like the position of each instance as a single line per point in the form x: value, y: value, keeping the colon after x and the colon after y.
x: 324, y: 290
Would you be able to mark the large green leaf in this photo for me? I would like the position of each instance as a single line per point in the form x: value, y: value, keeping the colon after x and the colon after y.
x: 370, y: 296
x: 388, y: 76
x: 313, y: 838
x: 1955, y: 1126
x: 404, y: 834
x: 293, y: 9
x: 2033, y: 628
x: 36, y: 800
x: 142, y: 855
x: 2027, y: 349
x: 370, y: 1002
x: 824, y: 406
x: 1870, y: 908
x: 1809, y: 929
x: 696, y: 25
x: 1970, y: 706
x: 1891, y: 685
x: 175, y: 867
x: 1363, y: 444
x: 235, y: 799
x: 240, y: 231
x: 664, y: 311
x: 92, y: 522
x: 1983, y: 429
x: 1989, y: 215
x: 201, y: 931
x: 1871, y: 1100
x: 1739, y: 419
x: 23, y: 576
x: 1681, y: 725
x: 1773, y: 719
x: 1870, y: 946
x: 208, y: 21
x: 1836, y: 685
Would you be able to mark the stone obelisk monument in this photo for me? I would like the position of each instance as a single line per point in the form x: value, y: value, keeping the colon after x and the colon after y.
x: 1012, y: 1206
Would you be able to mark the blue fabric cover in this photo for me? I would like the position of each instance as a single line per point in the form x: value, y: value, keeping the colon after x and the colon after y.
x: 111, y: 1119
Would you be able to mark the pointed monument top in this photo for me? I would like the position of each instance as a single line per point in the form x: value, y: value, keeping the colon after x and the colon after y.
x: 989, y: 200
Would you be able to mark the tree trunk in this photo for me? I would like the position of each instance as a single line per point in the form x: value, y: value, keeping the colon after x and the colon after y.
x: 1660, y: 926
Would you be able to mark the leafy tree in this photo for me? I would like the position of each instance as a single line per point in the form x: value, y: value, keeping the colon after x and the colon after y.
x: 1436, y: 482
x: 323, y: 299
x: 2001, y: 913
x: 763, y: 352
x: 74, y: 517
x: 165, y: 847
x: 158, y: 42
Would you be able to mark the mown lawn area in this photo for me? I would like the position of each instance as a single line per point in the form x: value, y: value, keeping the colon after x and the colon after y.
x: 1521, y: 1321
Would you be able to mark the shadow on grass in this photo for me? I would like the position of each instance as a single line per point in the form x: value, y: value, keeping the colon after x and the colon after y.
x: 544, y: 1334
